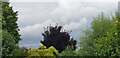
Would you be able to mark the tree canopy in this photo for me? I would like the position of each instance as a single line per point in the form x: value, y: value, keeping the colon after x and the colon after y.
x: 9, y: 46
x: 9, y: 21
x: 53, y: 36
x: 10, y: 32
x: 102, y: 39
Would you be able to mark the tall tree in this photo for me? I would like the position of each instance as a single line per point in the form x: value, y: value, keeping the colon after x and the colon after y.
x: 99, y: 28
x: 9, y: 21
x: 117, y: 16
x: 103, y: 39
x: 53, y: 36
x: 109, y: 45
x: 10, y: 35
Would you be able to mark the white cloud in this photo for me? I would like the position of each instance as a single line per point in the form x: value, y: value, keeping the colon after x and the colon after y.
x: 71, y: 14
x: 35, y: 30
x: 63, y: 11
x: 75, y: 25
x: 66, y: 9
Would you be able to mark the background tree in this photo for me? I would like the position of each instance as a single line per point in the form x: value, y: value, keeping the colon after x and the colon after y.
x: 100, y: 27
x: 9, y: 21
x: 117, y: 23
x: 20, y: 52
x: 69, y: 52
x: 53, y: 36
x: 110, y: 44
x: 43, y: 52
x: 118, y: 32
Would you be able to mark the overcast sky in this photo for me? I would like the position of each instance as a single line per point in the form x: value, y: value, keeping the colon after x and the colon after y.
x: 75, y: 15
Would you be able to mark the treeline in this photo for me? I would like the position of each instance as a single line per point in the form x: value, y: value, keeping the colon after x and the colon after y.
x: 101, y: 39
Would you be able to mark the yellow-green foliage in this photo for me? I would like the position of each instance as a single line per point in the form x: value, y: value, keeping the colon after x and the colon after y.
x: 43, y: 52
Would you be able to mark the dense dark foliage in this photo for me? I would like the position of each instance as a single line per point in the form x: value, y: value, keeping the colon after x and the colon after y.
x: 55, y: 37
x: 9, y: 21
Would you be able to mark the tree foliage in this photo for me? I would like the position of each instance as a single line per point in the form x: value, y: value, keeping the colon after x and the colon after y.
x: 53, y: 36
x: 9, y: 21
x: 102, y: 39
x: 10, y: 35
x: 69, y: 52
x: 42, y: 52
x: 109, y: 45
x: 9, y: 46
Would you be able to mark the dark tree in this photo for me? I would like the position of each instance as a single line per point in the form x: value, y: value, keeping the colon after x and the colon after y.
x: 9, y: 21
x: 53, y: 36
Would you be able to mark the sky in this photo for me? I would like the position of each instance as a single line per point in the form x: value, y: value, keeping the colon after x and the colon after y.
x: 75, y: 15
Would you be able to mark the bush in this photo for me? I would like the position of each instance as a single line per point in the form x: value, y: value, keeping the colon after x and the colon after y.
x: 42, y: 52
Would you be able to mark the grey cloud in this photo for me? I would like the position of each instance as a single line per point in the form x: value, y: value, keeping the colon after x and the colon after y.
x: 29, y: 11
x: 34, y: 16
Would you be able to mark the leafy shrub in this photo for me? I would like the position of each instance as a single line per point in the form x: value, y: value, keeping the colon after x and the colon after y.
x: 69, y: 52
x: 9, y: 47
x: 42, y: 52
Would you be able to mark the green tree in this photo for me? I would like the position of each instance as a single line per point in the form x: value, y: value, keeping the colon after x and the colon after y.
x: 0, y: 30
x: 8, y: 44
x: 9, y: 21
x: 9, y: 47
x: 43, y: 52
x: 10, y: 35
x: 101, y: 26
x: 117, y: 16
x: 0, y: 13
x: 53, y: 36
x: 20, y: 52
x: 110, y: 44
x: 69, y: 52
